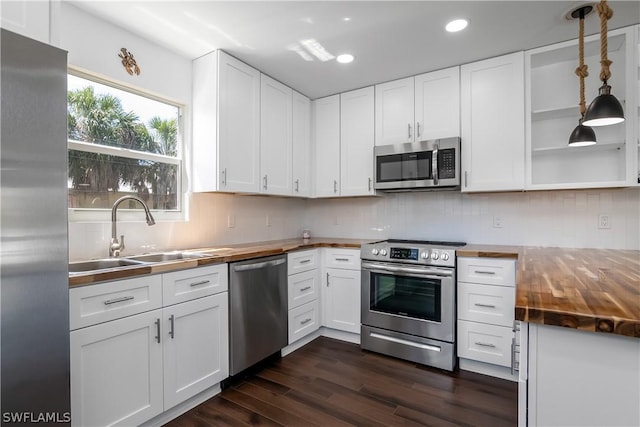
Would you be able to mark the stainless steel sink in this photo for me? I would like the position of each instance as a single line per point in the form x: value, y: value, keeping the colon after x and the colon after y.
x: 166, y: 256
x: 101, y: 264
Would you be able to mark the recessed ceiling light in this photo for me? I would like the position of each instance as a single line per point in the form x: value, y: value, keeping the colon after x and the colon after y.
x: 346, y: 19
x: 345, y: 58
x: 457, y: 25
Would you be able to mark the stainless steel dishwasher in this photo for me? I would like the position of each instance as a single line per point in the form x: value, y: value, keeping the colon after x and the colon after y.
x: 258, y: 321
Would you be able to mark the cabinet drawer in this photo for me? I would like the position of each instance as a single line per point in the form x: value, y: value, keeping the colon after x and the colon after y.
x: 303, y: 320
x: 93, y: 304
x: 303, y: 288
x: 342, y: 258
x: 486, y: 303
x: 300, y: 261
x: 489, y: 271
x: 185, y: 285
x: 485, y: 343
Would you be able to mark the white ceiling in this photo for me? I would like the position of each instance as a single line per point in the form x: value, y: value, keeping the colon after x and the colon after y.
x: 390, y: 39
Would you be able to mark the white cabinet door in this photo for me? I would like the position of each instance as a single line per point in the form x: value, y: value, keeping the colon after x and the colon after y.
x: 196, y: 347
x: 27, y: 17
x: 275, y: 137
x: 238, y: 125
x: 356, y: 142
x: 326, y: 146
x: 437, y: 104
x: 301, y: 145
x: 116, y: 372
x: 394, y: 112
x: 493, y: 137
x: 341, y: 300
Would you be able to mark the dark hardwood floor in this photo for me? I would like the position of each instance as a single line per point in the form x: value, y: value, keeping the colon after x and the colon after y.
x: 334, y: 383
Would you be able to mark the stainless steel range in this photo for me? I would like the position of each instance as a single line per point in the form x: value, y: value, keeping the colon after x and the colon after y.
x: 408, y: 300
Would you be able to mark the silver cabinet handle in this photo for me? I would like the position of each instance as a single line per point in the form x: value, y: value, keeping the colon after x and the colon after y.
x: 172, y: 324
x: 409, y: 129
x: 491, y: 273
x: 117, y: 300
x: 342, y: 259
x: 513, y: 355
x: 265, y: 182
x: 484, y: 344
x: 157, y: 322
x: 418, y: 129
x: 305, y: 321
x: 466, y: 184
x: 304, y: 261
x: 297, y: 185
x: 306, y: 288
x: 259, y: 265
x: 224, y: 176
x: 327, y: 279
x: 369, y: 184
x: 484, y: 305
x: 202, y: 282
x: 335, y: 186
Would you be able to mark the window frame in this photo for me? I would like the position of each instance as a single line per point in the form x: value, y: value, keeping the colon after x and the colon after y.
x: 133, y: 215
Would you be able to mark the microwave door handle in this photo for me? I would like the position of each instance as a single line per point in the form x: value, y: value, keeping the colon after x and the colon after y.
x: 434, y: 164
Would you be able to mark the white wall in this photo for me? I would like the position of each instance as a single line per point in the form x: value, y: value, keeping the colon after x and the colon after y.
x: 546, y: 218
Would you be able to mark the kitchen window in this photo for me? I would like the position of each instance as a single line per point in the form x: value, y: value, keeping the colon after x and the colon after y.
x: 121, y: 142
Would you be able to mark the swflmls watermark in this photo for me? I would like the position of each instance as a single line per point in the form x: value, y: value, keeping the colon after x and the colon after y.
x: 36, y: 417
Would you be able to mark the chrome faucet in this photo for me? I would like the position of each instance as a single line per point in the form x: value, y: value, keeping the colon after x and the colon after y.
x: 115, y: 247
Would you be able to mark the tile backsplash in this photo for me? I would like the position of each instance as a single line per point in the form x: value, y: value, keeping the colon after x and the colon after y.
x: 545, y: 218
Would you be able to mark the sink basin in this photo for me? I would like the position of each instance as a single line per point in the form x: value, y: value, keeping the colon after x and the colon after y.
x: 166, y: 256
x: 101, y: 264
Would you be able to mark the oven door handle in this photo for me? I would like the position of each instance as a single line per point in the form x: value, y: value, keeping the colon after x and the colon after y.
x: 422, y: 272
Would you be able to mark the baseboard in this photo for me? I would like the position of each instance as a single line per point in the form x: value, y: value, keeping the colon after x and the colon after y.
x: 488, y: 369
x: 183, y: 407
x: 340, y: 335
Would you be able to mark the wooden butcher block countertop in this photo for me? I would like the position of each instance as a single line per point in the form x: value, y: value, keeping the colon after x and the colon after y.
x: 596, y: 290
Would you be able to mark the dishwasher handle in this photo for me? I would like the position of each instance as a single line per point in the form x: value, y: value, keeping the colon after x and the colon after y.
x: 258, y: 265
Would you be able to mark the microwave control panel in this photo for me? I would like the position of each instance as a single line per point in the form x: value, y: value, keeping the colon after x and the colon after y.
x: 447, y: 163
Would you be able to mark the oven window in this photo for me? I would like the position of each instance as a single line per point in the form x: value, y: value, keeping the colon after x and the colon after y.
x: 406, y: 296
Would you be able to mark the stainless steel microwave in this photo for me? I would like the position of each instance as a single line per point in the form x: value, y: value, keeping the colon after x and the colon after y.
x: 420, y: 165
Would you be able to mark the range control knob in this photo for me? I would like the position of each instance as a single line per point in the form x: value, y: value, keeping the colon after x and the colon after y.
x: 425, y: 255
x: 445, y: 256
x: 383, y: 252
x: 435, y: 256
x: 375, y: 251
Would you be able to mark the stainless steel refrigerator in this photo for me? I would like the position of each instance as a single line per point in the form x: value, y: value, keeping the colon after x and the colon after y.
x: 34, y: 292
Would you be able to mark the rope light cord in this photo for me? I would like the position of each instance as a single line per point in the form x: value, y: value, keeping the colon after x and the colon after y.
x: 583, y: 69
x: 605, y: 13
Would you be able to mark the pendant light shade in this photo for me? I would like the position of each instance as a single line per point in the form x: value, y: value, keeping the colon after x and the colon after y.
x: 582, y: 136
x: 604, y: 110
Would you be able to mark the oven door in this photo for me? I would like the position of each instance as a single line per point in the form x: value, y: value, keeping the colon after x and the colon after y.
x: 409, y: 299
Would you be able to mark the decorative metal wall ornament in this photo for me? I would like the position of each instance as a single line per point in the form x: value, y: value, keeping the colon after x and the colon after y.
x: 129, y: 62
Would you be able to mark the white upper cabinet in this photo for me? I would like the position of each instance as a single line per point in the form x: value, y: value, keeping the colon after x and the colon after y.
x: 394, y: 112
x: 437, y: 104
x: 226, y: 125
x: 275, y: 137
x: 493, y: 124
x: 552, y: 112
x: 326, y: 145
x: 301, y: 145
x: 418, y: 108
x: 28, y: 18
x: 636, y: 132
x: 356, y: 142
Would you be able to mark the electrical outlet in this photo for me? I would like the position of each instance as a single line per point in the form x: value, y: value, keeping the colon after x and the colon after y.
x: 231, y: 221
x: 604, y: 221
x: 497, y: 222
x: 268, y: 220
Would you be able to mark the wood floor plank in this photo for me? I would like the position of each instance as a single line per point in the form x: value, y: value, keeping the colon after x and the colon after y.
x: 334, y: 383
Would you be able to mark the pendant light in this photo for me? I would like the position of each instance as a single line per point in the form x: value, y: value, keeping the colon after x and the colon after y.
x: 605, y: 109
x: 582, y: 135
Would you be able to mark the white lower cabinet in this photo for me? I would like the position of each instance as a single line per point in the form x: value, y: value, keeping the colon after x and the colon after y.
x: 341, y: 290
x: 116, y: 372
x: 303, y: 320
x: 303, y: 288
x: 128, y: 366
x: 486, y: 315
